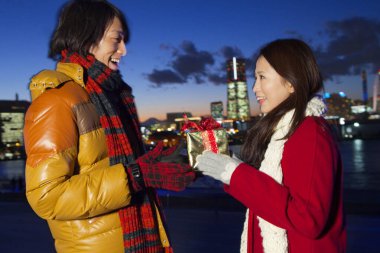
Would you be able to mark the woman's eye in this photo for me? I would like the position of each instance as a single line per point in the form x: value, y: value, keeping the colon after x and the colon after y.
x: 261, y: 77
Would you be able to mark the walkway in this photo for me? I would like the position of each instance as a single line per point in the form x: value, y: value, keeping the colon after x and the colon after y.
x: 211, y: 223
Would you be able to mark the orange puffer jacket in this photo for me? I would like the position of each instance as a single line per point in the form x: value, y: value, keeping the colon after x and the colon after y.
x: 69, y: 181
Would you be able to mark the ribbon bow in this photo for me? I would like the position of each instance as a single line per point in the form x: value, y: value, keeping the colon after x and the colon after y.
x: 205, y: 124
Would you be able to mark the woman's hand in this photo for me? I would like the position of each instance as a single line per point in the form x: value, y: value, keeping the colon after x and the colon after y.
x: 217, y: 166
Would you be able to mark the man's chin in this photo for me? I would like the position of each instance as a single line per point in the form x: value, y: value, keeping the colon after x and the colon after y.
x: 113, y: 66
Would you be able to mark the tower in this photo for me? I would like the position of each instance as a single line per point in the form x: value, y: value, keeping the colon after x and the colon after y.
x: 237, y: 92
x: 376, y: 92
x: 365, y: 92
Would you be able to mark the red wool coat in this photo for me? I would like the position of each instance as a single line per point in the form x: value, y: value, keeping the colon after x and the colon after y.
x: 309, y: 203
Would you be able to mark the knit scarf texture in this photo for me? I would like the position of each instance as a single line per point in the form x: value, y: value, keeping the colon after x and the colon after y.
x: 275, y: 239
x: 138, y: 220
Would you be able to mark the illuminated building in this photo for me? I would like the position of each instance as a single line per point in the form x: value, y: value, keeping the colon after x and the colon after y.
x: 237, y: 93
x: 376, y: 93
x: 12, y: 114
x: 338, y: 105
x: 217, y: 110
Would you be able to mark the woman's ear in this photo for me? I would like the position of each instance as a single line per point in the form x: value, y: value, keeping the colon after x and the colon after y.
x: 289, y: 87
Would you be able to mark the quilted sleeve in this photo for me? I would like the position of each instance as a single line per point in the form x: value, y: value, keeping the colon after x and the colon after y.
x: 54, y: 187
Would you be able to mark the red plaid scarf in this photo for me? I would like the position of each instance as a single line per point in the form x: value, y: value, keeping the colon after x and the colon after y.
x: 139, y: 220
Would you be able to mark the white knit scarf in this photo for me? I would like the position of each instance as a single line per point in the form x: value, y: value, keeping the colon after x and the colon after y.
x: 274, y: 238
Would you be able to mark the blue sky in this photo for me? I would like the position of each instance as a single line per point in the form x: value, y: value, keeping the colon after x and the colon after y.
x: 178, y: 47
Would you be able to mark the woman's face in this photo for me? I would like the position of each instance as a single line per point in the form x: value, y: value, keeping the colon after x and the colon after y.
x: 270, y: 88
x: 111, y: 47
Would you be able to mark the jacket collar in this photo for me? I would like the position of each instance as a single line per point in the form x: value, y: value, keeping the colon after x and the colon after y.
x: 72, y: 70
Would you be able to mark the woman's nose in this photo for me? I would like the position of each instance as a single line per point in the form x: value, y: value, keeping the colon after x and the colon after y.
x: 254, y: 87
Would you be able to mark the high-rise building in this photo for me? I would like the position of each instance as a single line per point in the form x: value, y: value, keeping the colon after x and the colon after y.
x: 376, y: 93
x: 217, y: 110
x: 237, y: 92
x: 12, y: 114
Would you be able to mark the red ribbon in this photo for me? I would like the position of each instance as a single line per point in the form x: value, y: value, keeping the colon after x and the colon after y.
x: 209, y: 141
x: 204, y: 125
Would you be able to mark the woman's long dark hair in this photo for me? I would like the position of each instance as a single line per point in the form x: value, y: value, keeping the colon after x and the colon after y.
x: 294, y: 61
x: 82, y: 24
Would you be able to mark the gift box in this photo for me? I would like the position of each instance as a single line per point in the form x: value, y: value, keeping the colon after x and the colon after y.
x: 207, y: 135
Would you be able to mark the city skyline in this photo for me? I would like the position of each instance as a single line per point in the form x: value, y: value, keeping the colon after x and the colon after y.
x: 178, y: 49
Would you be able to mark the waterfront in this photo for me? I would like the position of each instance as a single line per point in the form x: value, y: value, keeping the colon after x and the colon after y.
x: 361, y: 160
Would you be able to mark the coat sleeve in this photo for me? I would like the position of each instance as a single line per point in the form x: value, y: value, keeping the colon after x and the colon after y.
x: 303, y: 203
x: 54, y: 187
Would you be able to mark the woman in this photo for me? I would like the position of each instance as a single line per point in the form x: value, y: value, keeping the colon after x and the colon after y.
x: 290, y: 176
x: 86, y: 171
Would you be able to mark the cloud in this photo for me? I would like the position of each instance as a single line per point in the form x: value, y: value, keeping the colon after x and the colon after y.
x: 190, y: 62
x: 345, y: 47
x: 187, y: 63
x: 352, y: 45
x: 217, y: 79
x: 228, y: 52
x: 167, y: 76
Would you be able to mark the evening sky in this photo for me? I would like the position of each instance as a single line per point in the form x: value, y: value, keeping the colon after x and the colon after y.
x: 178, y: 48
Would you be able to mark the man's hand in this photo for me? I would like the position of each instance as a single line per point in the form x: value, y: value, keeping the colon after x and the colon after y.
x: 159, y: 174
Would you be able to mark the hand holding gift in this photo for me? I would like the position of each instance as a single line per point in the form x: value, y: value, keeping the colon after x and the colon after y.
x: 217, y: 166
x: 158, y: 169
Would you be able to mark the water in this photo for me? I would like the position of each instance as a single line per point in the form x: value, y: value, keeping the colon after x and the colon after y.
x: 12, y: 169
x: 361, y: 160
